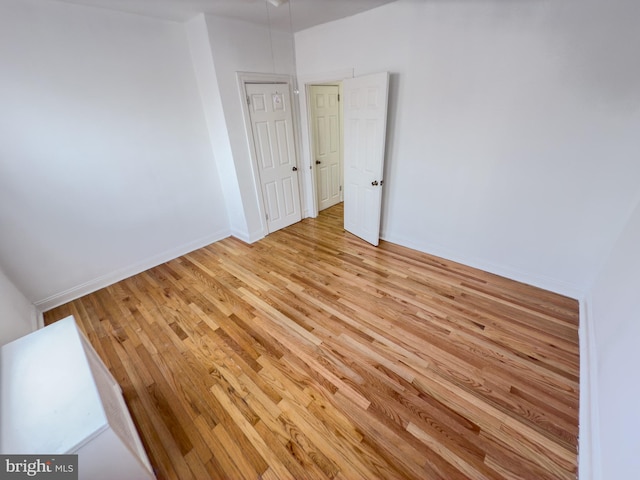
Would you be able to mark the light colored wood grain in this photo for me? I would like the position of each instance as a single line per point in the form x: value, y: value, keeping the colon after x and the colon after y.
x: 311, y: 354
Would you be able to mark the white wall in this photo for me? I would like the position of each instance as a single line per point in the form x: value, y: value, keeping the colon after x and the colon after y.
x: 17, y: 314
x: 513, y: 143
x: 105, y: 162
x: 243, y: 47
x: 614, y: 311
x: 200, y: 45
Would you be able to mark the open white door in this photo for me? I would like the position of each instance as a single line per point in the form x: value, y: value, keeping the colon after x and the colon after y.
x: 272, y: 128
x: 365, y: 128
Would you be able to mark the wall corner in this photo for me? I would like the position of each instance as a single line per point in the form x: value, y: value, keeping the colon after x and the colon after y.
x: 589, y: 450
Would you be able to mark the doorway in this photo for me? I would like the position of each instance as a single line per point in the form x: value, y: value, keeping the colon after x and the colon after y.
x: 272, y: 139
x: 326, y: 139
x: 364, y: 117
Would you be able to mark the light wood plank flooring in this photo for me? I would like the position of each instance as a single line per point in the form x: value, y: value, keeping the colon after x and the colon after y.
x: 312, y: 355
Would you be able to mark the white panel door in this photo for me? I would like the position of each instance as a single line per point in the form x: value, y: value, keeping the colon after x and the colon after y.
x: 272, y: 129
x: 365, y: 125
x: 325, y: 121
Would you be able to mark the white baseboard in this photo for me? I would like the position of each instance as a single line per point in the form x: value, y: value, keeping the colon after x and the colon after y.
x: 247, y: 238
x: 126, y: 272
x: 540, y: 281
x: 38, y: 319
x: 589, y: 430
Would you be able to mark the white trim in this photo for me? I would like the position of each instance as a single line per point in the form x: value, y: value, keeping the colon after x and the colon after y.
x: 38, y: 318
x: 110, y: 278
x: 589, y: 451
x: 306, y: 156
x: 247, y: 238
x: 541, y: 281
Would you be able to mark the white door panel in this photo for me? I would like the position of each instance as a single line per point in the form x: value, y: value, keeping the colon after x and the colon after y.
x: 272, y: 128
x: 365, y: 119
x: 325, y: 119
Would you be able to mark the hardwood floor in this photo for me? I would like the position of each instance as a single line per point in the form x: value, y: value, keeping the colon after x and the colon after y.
x: 312, y: 355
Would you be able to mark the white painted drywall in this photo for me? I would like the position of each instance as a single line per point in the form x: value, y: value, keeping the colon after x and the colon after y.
x: 615, y: 316
x: 513, y: 141
x: 202, y: 57
x: 17, y: 314
x: 243, y: 47
x: 106, y: 168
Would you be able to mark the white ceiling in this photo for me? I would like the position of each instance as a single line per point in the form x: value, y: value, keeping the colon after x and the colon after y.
x: 304, y: 13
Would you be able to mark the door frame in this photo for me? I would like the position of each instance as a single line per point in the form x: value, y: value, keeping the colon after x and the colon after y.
x: 312, y: 139
x: 306, y: 146
x: 243, y: 78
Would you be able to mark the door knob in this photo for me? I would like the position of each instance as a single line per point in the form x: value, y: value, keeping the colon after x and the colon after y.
x: 294, y: 169
x: 318, y: 162
x: 374, y: 183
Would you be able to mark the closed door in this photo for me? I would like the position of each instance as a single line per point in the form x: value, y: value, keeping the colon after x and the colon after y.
x: 365, y: 123
x: 327, y: 149
x: 273, y: 139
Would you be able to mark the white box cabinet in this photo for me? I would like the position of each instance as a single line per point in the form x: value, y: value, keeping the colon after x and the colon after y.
x: 58, y: 397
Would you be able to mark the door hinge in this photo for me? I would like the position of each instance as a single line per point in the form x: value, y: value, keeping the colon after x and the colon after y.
x: 338, y: 97
x: 248, y: 100
x: 340, y: 187
x: 266, y: 215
